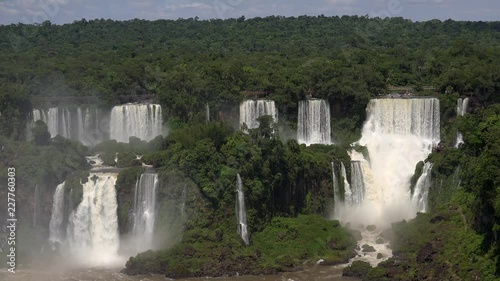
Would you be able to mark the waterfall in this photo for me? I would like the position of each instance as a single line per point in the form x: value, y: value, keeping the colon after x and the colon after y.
x: 183, y: 204
x: 92, y: 232
x: 55, y: 231
x: 398, y: 134
x: 314, y: 122
x: 422, y: 187
x: 81, y: 124
x: 36, y: 206
x: 461, y: 110
x: 207, y: 113
x: 143, y: 121
x: 347, y: 187
x: 241, y: 211
x: 336, y: 189
x: 357, y: 183
x: 251, y: 110
x: 145, y: 210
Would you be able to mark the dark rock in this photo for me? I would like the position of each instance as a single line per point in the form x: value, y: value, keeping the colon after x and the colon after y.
x: 357, y: 269
x: 380, y: 241
x: 436, y: 219
x: 368, y: 249
x: 218, y: 235
x: 371, y: 227
x: 379, y: 256
x: 424, y: 255
x: 189, y: 251
x: 394, y: 271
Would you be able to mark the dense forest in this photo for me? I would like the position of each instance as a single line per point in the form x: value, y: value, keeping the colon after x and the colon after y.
x: 188, y: 63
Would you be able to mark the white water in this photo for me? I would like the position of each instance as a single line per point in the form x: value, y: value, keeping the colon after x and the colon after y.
x: 398, y: 134
x: 36, y: 206
x: 314, y: 122
x: 92, y: 235
x: 145, y: 211
x: 251, y: 110
x: 241, y: 211
x: 461, y: 110
x: 347, y: 187
x: 336, y: 189
x: 357, y: 183
x: 55, y: 231
x: 82, y: 124
x: 143, y: 121
x: 421, y: 192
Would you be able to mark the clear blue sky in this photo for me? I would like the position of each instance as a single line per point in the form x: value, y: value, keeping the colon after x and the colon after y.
x: 66, y: 11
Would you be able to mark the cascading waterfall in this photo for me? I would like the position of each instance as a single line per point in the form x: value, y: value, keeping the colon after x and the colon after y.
x: 56, y: 233
x: 241, y: 211
x: 422, y: 187
x: 461, y: 110
x: 357, y: 183
x: 398, y: 134
x: 207, y: 113
x: 143, y: 121
x: 347, y: 187
x: 92, y: 232
x: 36, y: 206
x: 314, y: 122
x: 82, y: 124
x: 183, y: 205
x: 251, y: 110
x: 145, y: 210
x: 336, y: 189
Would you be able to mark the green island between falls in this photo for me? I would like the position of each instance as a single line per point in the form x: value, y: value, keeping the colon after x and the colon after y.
x: 284, y: 245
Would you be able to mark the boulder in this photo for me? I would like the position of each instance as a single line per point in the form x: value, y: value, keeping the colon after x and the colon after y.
x: 368, y: 249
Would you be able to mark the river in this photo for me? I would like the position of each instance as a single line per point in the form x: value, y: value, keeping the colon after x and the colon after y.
x: 113, y: 274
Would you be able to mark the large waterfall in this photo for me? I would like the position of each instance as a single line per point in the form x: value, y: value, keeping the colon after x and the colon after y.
x: 56, y: 233
x: 145, y: 210
x: 82, y: 124
x: 421, y: 192
x: 143, y: 121
x: 251, y: 110
x: 398, y: 134
x: 92, y: 234
x: 314, y: 122
x: 461, y: 110
x: 241, y: 211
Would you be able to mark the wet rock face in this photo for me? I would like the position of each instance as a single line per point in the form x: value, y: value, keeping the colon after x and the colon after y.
x: 436, y: 219
x: 425, y: 254
x: 371, y: 228
x: 380, y: 241
x: 368, y: 249
x: 379, y: 256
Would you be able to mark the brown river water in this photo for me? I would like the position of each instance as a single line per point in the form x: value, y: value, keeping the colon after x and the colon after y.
x: 113, y: 274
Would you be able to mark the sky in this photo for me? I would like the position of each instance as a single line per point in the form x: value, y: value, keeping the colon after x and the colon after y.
x: 66, y: 11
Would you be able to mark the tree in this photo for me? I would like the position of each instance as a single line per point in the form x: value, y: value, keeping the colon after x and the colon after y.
x: 41, y: 133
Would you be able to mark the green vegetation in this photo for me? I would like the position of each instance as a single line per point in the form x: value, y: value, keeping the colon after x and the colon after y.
x: 458, y: 239
x: 187, y: 64
x: 283, y: 245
